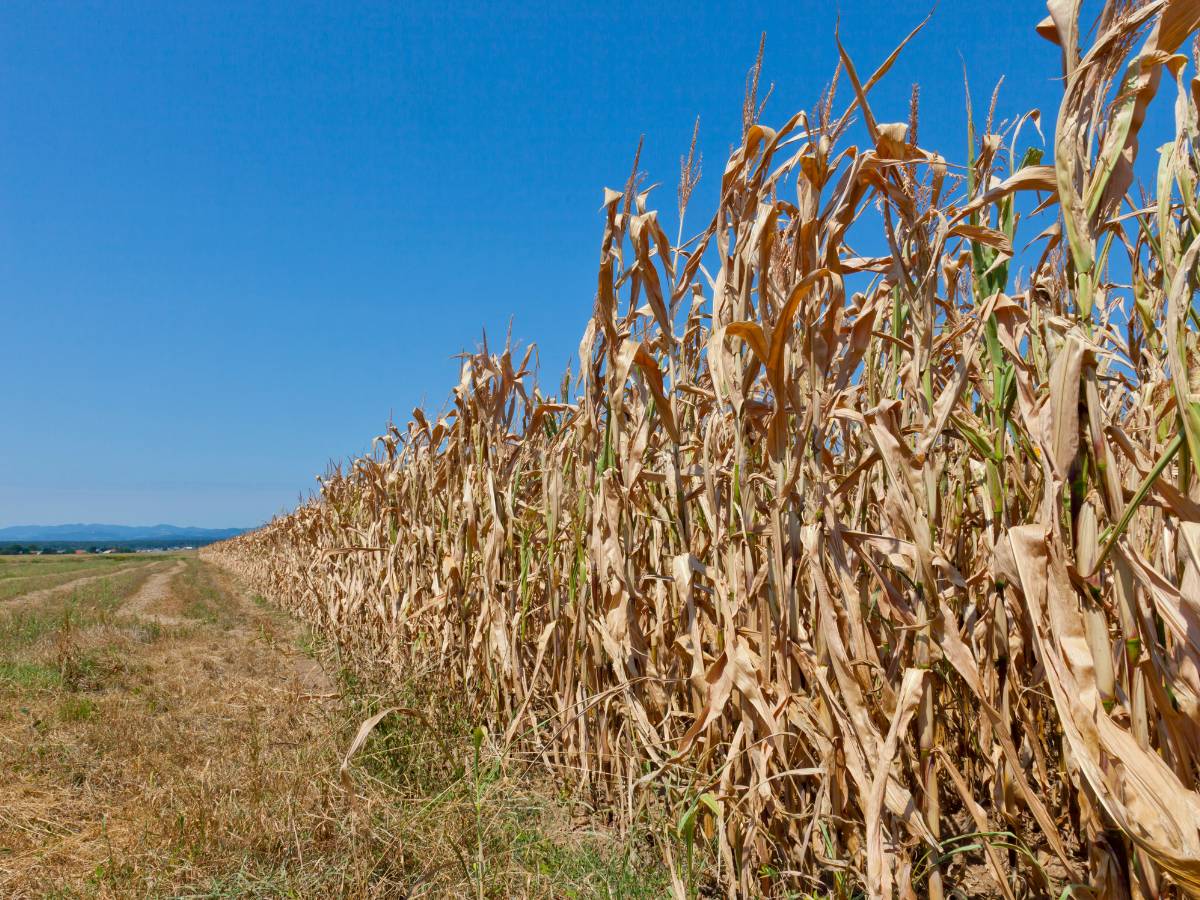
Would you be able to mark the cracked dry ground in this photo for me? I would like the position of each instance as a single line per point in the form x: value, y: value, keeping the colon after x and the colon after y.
x: 162, y: 734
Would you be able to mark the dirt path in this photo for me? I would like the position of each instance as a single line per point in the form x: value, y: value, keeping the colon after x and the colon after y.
x: 152, y: 594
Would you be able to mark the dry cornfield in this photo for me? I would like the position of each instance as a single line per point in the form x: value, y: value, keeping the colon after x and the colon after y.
x: 864, y: 566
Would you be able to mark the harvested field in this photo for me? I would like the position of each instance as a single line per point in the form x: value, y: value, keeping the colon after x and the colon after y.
x: 20, y: 577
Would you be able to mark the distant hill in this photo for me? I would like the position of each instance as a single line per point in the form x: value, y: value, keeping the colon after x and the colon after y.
x: 80, y: 532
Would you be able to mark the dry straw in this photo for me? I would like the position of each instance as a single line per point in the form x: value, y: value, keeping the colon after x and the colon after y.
x: 873, y: 565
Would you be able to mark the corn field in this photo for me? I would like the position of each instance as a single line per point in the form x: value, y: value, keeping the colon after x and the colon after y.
x: 867, y: 566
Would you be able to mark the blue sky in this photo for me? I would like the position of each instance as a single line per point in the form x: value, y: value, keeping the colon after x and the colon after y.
x: 236, y: 238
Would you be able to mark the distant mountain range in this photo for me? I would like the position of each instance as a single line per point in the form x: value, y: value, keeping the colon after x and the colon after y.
x: 115, y: 533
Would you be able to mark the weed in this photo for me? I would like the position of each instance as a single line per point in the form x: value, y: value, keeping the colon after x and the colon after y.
x: 73, y: 708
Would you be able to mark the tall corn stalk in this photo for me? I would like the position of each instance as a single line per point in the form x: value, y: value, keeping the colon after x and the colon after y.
x: 894, y: 560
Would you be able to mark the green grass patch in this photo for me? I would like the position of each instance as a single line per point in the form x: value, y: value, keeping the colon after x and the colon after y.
x: 311, y: 643
x: 29, y: 675
x: 75, y: 708
x: 86, y: 605
x: 200, y: 597
x: 473, y: 813
x: 588, y: 869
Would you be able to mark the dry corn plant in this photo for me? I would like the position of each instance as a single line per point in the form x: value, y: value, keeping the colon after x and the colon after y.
x: 868, y: 566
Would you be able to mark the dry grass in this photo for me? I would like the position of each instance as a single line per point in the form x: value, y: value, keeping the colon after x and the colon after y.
x: 866, y: 573
x: 188, y: 743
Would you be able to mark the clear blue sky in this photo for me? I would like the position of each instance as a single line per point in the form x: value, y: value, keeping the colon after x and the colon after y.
x: 235, y: 238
